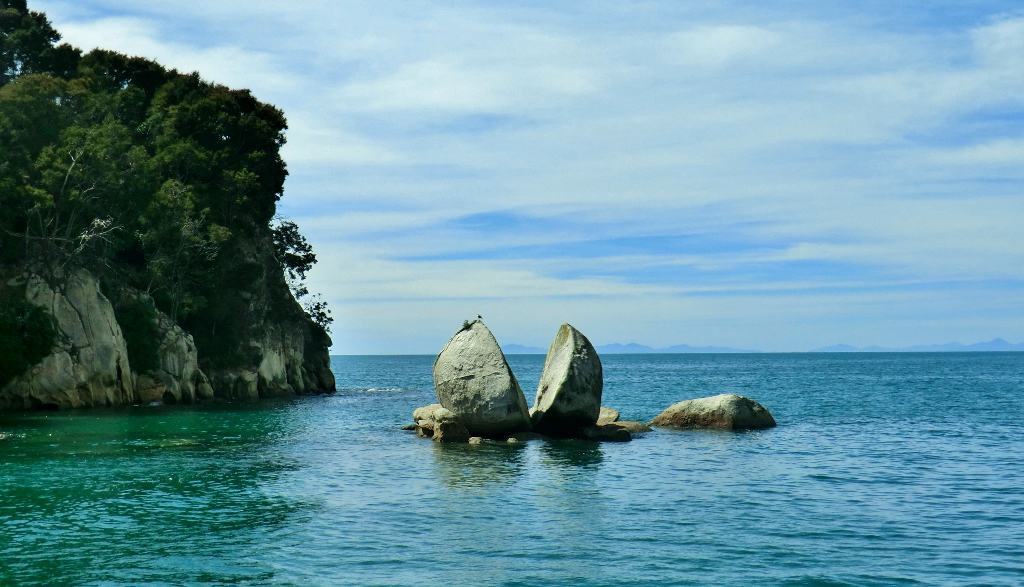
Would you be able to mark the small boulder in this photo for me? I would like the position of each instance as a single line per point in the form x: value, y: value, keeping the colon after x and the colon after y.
x: 425, y: 413
x: 569, y: 393
x: 607, y: 415
x: 727, y: 412
x: 423, y: 420
x: 473, y: 380
x: 606, y: 433
x: 475, y: 440
x: 448, y: 428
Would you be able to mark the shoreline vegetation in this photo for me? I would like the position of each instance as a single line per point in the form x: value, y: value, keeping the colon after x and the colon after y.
x: 141, y: 256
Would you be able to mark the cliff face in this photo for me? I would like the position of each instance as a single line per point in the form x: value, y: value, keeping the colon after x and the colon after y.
x: 89, y: 366
x: 283, y: 353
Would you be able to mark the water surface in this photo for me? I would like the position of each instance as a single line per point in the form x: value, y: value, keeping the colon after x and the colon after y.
x: 885, y: 469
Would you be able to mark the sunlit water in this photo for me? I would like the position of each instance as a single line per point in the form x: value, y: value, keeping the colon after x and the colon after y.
x: 885, y: 469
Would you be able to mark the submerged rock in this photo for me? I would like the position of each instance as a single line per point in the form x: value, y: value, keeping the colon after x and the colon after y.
x: 727, y: 412
x: 630, y: 426
x: 527, y: 436
x: 607, y: 415
x: 569, y: 393
x: 473, y: 380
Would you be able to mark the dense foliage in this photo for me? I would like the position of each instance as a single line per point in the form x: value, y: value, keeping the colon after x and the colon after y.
x: 152, y: 179
x: 26, y: 334
x: 137, y: 318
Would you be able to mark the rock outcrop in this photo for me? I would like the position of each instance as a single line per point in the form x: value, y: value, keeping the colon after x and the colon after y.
x: 177, y: 378
x: 726, y: 412
x: 472, y: 379
x: 285, y: 366
x: 286, y: 353
x: 569, y: 393
x: 89, y: 364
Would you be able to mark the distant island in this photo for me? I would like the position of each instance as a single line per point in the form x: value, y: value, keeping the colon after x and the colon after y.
x: 994, y: 345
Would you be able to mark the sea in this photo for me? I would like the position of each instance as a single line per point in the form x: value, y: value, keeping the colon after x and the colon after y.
x: 885, y: 469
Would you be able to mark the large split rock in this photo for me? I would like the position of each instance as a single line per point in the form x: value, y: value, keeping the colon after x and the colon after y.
x: 473, y: 380
x: 569, y: 393
x: 727, y: 411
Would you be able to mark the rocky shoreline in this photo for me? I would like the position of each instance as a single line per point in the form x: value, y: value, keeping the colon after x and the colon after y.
x: 480, y: 399
x: 90, y: 367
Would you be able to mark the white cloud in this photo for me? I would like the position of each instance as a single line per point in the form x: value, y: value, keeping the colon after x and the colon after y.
x: 1000, y: 152
x: 718, y: 45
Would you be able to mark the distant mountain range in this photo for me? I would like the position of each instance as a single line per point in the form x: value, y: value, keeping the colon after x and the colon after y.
x: 996, y: 344
x: 631, y: 348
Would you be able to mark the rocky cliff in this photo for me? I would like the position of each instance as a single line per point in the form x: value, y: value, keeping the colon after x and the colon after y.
x: 89, y: 364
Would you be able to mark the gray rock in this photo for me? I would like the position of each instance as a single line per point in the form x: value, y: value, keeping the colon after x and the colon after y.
x: 569, y: 393
x: 473, y: 380
x: 475, y: 440
x: 727, y: 412
x: 607, y: 415
x: 89, y: 365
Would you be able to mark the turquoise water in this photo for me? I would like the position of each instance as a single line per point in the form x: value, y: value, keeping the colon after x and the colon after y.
x: 885, y: 469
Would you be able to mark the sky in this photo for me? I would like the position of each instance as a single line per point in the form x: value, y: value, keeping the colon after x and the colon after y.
x: 778, y: 176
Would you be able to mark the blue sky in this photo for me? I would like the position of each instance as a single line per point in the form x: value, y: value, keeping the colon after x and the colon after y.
x: 779, y: 176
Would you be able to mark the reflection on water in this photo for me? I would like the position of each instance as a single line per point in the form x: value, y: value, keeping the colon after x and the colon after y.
x: 572, y: 453
x: 465, y: 466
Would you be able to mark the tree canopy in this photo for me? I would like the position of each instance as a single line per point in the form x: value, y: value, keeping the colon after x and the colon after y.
x: 153, y: 179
